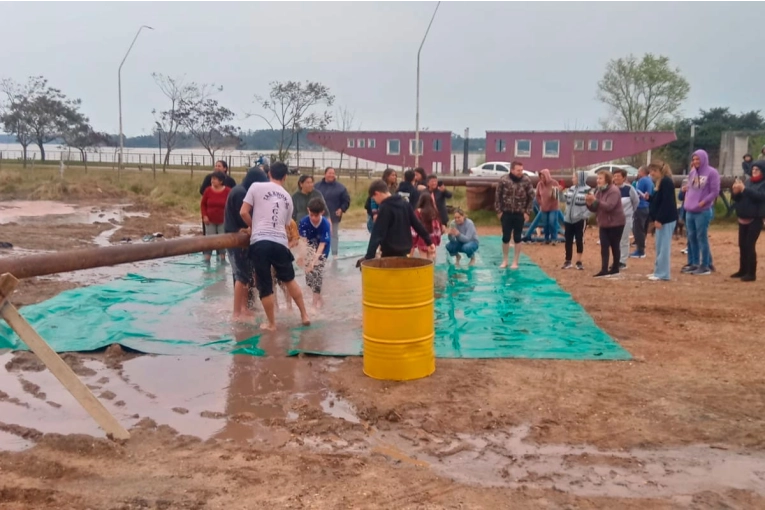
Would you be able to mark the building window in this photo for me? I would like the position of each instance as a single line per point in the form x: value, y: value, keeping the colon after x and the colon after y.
x: 551, y: 148
x: 361, y: 143
x: 413, y: 147
x: 436, y: 145
x: 394, y: 147
x: 523, y: 148
x: 500, y: 146
x: 608, y: 145
x: 351, y: 143
x: 578, y: 145
x: 592, y: 145
x: 371, y: 143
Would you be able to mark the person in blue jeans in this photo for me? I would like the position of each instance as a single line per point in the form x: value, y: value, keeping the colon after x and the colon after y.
x: 700, y: 197
x: 463, y: 238
x: 663, y: 213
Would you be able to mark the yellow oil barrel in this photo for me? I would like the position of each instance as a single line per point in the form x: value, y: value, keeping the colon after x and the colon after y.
x: 398, y: 318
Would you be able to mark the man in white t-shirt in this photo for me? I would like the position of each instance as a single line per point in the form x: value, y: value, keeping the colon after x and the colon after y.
x: 267, y: 210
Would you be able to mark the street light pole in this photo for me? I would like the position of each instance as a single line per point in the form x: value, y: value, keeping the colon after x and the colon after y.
x: 119, y: 93
x: 417, y: 117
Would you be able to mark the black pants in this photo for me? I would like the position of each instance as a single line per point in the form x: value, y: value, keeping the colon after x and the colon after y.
x: 512, y: 225
x: 265, y: 255
x: 639, y: 228
x: 747, y: 245
x: 610, y: 239
x: 574, y: 231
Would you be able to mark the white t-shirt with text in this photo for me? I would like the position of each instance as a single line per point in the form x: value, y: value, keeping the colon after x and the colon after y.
x: 271, y: 212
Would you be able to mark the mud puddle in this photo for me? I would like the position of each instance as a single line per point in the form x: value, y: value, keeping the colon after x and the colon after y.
x: 31, y: 212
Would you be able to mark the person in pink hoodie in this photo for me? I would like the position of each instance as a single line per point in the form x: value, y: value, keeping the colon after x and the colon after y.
x: 547, y: 198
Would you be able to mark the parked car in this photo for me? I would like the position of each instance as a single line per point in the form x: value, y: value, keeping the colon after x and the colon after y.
x: 631, y: 170
x: 494, y: 169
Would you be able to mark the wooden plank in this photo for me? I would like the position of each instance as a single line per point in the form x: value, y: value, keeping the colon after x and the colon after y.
x: 55, y: 364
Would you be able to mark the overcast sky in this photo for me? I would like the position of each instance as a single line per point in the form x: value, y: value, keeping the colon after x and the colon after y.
x: 495, y: 66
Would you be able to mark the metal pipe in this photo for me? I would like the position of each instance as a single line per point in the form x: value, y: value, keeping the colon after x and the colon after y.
x: 76, y: 260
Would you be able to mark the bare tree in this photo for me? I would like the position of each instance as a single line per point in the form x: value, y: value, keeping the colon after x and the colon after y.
x: 181, y: 95
x: 642, y: 93
x: 290, y: 106
x: 36, y: 112
x: 344, y: 122
x: 82, y: 137
x: 209, y: 123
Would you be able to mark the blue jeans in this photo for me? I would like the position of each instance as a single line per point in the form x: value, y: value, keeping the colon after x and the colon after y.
x: 455, y: 247
x: 697, y: 226
x: 551, y: 225
x: 663, y: 250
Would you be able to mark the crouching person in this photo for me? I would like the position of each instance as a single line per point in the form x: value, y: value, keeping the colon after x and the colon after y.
x: 463, y: 238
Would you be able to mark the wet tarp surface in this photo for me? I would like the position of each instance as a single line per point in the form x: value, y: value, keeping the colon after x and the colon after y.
x: 180, y: 307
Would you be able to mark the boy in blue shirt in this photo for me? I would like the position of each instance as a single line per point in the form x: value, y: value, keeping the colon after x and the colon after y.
x: 316, y: 231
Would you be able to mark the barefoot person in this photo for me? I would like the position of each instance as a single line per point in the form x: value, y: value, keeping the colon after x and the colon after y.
x: 315, y: 233
x: 513, y: 202
x: 428, y: 215
x: 392, y: 231
x: 238, y: 257
x: 267, y: 209
x: 749, y: 202
x: 463, y: 238
x: 213, y: 207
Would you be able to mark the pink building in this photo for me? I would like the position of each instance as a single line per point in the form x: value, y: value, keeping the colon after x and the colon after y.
x: 393, y: 148
x: 560, y: 150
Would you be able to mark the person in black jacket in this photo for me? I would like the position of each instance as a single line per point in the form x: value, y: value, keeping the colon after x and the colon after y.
x: 440, y: 194
x: 220, y: 166
x: 408, y: 190
x: 662, y: 210
x: 392, y: 231
x: 749, y: 202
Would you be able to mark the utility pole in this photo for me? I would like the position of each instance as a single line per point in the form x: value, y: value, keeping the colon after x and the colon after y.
x: 119, y: 93
x: 690, y: 156
x: 417, y: 116
x: 465, y: 151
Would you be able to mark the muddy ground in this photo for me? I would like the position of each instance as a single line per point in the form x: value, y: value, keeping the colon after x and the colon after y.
x: 680, y: 426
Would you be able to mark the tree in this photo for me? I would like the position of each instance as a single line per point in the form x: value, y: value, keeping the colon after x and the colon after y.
x: 83, y: 137
x: 209, y: 122
x: 290, y: 106
x: 344, y: 122
x: 169, y: 121
x: 643, y: 93
x: 36, y: 112
x: 710, y: 125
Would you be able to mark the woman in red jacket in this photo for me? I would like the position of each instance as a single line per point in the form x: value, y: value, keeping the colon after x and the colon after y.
x: 213, y: 208
x: 606, y: 203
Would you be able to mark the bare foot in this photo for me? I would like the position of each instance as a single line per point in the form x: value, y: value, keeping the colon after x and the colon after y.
x: 268, y: 327
x: 503, y: 265
x: 306, y: 320
x: 472, y: 262
x: 514, y: 266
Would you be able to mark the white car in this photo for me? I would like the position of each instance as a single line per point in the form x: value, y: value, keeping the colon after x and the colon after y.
x: 494, y: 169
x: 631, y: 170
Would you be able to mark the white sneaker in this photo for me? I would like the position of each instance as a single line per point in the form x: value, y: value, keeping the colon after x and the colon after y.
x: 654, y: 278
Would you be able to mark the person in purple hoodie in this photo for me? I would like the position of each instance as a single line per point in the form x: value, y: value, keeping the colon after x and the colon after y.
x: 703, y: 189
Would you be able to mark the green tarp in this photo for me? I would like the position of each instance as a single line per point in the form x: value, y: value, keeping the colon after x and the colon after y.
x: 178, y: 306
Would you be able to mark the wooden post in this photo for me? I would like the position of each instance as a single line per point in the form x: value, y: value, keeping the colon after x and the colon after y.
x: 1, y: 160
x: 192, y: 166
x: 154, y: 166
x: 356, y: 175
x: 55, y: 364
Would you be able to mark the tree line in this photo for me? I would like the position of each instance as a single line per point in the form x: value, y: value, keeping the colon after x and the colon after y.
x: 641, y: 94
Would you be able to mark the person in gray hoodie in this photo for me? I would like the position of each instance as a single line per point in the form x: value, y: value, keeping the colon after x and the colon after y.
x: 575, y: 218
x: 630, y: 202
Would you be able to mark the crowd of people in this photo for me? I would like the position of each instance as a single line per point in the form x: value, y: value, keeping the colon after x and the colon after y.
x: 410, y: 218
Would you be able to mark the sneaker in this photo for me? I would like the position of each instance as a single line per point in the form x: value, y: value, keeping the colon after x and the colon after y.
x: 566, y: 265
x: 712, y: 268
x: 602, y: 274
x: 622, y: 265
x: 579, y: 266
x: 684, y: 251
x: 737, y: 274
x: 689, y: 268
x: 614, y: 271
x: 654, y: 278
x: 748, y: 278
x: 637, y: 255
x: 702, y: 271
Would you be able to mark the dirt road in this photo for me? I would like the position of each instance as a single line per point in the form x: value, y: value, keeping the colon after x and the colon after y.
x: 680, y: 426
